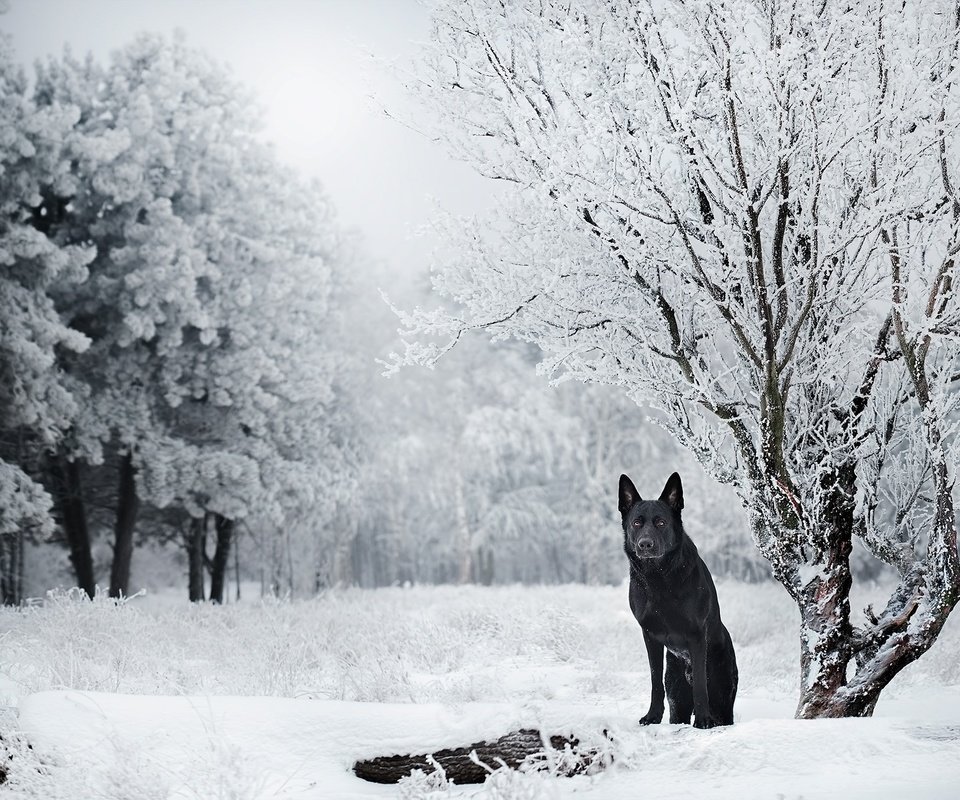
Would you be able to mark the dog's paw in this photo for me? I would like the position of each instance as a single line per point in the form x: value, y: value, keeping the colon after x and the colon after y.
x: 708, y: 721
x: 651, y: 719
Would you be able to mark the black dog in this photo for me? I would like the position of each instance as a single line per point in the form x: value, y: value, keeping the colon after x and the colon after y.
x: 673, y: 598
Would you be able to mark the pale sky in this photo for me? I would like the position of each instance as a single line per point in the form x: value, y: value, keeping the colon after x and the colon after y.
x: 310, y: 63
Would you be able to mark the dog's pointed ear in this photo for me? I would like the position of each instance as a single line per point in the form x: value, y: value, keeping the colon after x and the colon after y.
x: 628, y: 494
x: 672, y: 493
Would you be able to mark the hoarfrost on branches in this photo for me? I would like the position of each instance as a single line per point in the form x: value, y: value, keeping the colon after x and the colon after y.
x: 745, y: 214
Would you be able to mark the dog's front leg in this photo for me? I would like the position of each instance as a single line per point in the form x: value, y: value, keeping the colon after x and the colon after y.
x: 701, y: 700
x: 655, y: 657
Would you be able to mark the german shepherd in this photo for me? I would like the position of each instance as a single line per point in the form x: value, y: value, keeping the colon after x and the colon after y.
x: 673, y: 598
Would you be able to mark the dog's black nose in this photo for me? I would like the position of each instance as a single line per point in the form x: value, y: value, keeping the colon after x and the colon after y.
x: 644, y: 545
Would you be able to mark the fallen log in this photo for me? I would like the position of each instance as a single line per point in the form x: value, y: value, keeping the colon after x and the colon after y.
x: 461, y: 765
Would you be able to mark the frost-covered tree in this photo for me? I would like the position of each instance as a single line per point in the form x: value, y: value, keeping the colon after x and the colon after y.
x: 250, y: 432
x: 35, y: 406
x: 209, y: 366
x: 744, y: 212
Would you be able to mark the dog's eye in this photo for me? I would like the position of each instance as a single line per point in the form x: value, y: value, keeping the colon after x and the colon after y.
x: 659, y: 522
x: 637, y: 523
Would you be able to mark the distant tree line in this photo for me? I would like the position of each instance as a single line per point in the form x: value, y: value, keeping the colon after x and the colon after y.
x: 496, y: 478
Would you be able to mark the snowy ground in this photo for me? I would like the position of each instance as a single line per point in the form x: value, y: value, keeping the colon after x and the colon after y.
x: 160, y: 699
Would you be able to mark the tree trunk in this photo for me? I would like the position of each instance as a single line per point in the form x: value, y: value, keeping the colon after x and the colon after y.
x: 196, y: 556
x: 236, y: 570
x: 11, y: 564
x: 907, y: 628
x: 825, y: 645
x: 73, y: 514
x: 825, y: 641
x: 483, y: 566
x: 221, y: 556
x: 513, y: 749
x: 128, y: 504
x: 276, y: 566
x: 464, y: 551
x: 289, y: 552
x: 5, y: 569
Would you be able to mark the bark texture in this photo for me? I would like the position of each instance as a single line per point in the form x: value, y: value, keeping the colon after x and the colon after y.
x: 512, y: 748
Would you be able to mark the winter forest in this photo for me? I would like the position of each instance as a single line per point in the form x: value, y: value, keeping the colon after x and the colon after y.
x: 284, y: 489
x: 190, y: 398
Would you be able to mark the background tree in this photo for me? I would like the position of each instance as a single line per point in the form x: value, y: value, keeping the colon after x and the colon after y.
x: 255, y: 435
x: 745, y: 214
x: 209, y: 371
x: 36, y: 407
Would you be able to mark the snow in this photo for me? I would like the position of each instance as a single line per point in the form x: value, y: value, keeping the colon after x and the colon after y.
x: 809, y: 572
x: 583, y: 673
x: 290, y: 748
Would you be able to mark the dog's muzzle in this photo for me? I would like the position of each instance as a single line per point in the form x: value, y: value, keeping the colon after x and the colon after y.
x: 644, y: 548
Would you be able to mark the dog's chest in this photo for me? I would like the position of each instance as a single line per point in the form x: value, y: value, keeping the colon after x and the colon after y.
x: 672, y: 636
x: 662, y: 619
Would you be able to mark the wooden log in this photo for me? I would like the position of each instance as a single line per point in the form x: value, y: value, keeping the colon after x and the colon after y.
x: 512, y: 749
